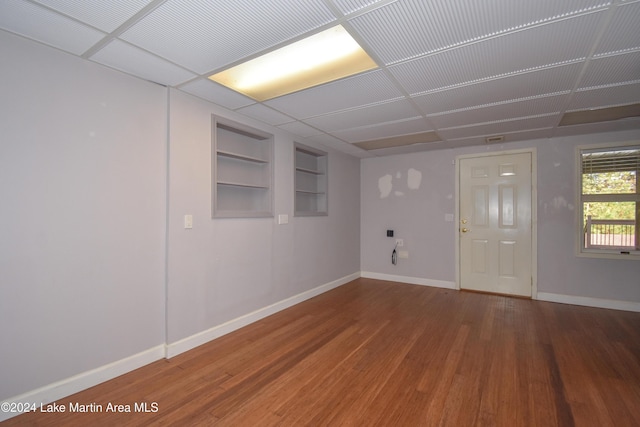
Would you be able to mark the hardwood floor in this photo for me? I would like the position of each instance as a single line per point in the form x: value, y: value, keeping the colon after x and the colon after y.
x: 376, y: 353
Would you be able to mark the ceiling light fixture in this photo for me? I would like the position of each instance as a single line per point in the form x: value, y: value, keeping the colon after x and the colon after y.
x: 321, y: 58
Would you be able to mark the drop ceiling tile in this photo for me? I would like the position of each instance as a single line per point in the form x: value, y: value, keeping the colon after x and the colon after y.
x: 386, y: 130
x: 331, y: 142
x: 213, y: 92
x: 503, y: 111
x: 612, y: 69
x: 207, y: 35
x: 399, y: 141
x: 407, y: 149
x: 105, y: 15
x: 527, y: 135
x: 406, y: 29
x: 545, y: 81
x: 500, y: 127
x: 350, y: 6
x: 300, y: 129
x: 365, y: 116
x: 605, y: 96
x: 363, y: 89
x: 501, y: 55
x: 48, y: 27
x: 623, y: 31
x: 614, y: 126
x: 124, y: 57
x: 265, y: 114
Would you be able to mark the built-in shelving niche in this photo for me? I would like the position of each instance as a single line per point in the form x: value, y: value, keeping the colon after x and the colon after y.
x: 311, y: 196
x: 242, y: 170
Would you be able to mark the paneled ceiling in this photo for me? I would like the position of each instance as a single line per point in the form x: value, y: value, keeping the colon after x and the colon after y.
x: 451, y: 72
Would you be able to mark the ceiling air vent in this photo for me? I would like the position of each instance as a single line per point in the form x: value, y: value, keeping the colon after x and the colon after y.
x: 494, y: 139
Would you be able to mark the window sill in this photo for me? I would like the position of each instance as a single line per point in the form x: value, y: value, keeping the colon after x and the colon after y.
x: 632, y: 255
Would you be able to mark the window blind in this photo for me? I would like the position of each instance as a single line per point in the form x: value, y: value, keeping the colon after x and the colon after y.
x: 611, y: 161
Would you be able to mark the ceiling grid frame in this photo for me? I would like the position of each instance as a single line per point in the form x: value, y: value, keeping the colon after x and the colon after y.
x: 108, y: 18
x: 598, y: 40
x: 441, y: 62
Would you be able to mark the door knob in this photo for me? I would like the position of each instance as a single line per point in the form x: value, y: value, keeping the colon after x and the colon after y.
x: 464, y: 221
x: 464, y: 230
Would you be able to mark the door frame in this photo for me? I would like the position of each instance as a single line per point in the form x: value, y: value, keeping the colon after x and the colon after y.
x: 534, y: 211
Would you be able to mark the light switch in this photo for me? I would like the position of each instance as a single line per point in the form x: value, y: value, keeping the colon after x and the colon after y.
x: 283, y: 219
x: 188, y: 221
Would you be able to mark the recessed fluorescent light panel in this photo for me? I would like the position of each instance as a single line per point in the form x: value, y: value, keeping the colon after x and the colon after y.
x: 324, y: 57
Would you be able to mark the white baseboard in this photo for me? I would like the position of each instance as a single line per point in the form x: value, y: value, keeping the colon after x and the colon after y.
x: 203, y: 337
x: 410, y: 280
x: 84, y: 380
x: 590, y: 302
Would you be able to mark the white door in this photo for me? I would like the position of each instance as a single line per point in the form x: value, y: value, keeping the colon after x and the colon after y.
x: 495, y: 224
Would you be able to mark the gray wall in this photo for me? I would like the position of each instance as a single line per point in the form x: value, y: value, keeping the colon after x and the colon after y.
x: 418, y: 216
x: 95, y: 177
x: 82, y: 196
x: 228, y: 267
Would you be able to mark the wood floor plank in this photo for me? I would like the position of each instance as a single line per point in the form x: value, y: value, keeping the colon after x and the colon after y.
x: 381, y: 353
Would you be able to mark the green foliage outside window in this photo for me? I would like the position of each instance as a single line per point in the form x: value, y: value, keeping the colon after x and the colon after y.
x: 609, y: 183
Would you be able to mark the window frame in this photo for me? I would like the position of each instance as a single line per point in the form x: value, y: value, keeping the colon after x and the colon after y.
x: 581, y: 251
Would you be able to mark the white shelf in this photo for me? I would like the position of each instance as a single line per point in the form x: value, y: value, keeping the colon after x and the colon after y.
x: 242, y: 171
x: 241, y: 157
x: 311, y: 171
x: 310, y: 181
x: 241, y: 184
x: 310, y: 192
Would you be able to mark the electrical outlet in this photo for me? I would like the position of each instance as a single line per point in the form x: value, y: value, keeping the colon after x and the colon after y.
x: 399, y: 243
x: 403, y: 254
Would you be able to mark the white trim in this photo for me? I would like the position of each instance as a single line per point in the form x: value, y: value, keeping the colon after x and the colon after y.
x: 590, y: 302
x: 57, y: 390
x: 85, y: 380
x: 456, y: 227
x: 203, y: 337
x: 534, y: 211
x: 410, y: 280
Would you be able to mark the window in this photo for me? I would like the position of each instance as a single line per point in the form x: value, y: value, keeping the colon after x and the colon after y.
x: 610, y: 201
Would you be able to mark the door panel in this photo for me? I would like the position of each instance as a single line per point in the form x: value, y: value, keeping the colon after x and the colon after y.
x: 506, y: 260
x: 481, y: 206
x: 495, y: 224
x: 480, y: 256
